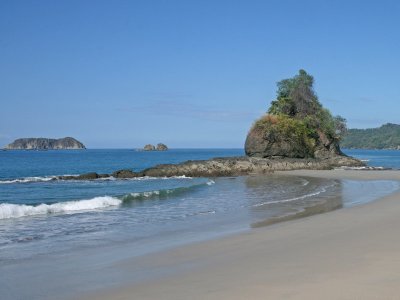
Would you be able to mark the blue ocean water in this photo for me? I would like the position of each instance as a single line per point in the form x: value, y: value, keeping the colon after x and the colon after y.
x: 38, y: 213
x: 94, y: 223
x: 19, y: 164
x: 377, y: 158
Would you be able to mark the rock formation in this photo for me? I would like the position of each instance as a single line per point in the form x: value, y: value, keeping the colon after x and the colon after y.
x: 296, y: 125
x: 45, y: 144
x: 228, y: 166
x: 161, y: 147
x: 149, y: 147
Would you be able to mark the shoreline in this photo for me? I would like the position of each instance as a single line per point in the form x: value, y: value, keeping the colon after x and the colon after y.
x: 334, y: 255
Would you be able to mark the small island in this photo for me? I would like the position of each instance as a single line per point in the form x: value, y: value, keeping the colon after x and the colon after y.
x: 159, y: 147
x: 67, y: 143
x: 296, y: 124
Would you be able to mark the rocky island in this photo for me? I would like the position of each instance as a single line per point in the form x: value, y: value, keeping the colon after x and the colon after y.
x: 296, y: 133
x: 159, y: 147
x: 67, y: 143
x: 296, y: 124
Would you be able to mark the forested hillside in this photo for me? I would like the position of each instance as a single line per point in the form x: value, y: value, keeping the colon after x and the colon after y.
x: 385, y: 137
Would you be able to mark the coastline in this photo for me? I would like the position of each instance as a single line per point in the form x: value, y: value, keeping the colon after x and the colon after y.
x: 344, y: 254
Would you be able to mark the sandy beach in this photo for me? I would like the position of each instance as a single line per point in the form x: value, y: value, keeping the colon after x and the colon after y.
x: 350, y: 253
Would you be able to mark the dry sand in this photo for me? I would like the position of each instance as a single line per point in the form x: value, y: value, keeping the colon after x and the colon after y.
x: 351, y: 253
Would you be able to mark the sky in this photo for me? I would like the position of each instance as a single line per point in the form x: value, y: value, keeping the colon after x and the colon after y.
x: 190, y: 74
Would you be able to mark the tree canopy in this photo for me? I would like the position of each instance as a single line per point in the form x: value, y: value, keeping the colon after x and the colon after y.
x: 385, y: 137
x: 296, y: 125
x: 297, y: 99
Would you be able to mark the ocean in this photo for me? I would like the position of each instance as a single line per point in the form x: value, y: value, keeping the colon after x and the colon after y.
x: 377, y: 158
x: 43, y: 220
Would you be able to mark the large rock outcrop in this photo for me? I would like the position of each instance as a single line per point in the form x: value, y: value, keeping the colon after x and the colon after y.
x: 296, y: 125
x: 270, y: 137
x: 45, y: 144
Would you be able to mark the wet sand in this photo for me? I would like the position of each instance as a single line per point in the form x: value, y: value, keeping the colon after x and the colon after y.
x: 351, y: 253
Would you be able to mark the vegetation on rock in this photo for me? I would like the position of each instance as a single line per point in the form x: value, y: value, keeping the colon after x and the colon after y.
x: 385, y: 137
x: 296, y: 125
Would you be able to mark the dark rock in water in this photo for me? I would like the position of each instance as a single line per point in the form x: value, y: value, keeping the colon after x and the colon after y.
x: 161, y: 147
x: 296, y: 125
x: 88, y: 176
x: 104, y: 175
x: 45, y: 144
x: 126, y: 174
x: 236, y: 166
x: 229, y: 166
x: 149, y: 147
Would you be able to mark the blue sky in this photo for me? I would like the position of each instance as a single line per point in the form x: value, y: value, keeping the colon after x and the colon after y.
x: 188, y: 73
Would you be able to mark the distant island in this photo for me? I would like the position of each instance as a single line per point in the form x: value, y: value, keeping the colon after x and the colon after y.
x: 159, y: 147
x: 67, y: 143
x: 385, y: 137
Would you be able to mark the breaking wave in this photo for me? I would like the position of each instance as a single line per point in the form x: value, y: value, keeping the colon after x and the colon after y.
x: 10, y: 211
x: 29, y: 179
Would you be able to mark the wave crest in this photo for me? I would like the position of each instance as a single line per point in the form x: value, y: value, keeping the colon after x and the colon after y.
x: 58, y: 178
x: 10, y: 211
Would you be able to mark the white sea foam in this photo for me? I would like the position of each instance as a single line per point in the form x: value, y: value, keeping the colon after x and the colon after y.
x: 33, y: 179
x: 145, y: 194
x: 210, y: 182
x: 304, y: 182
x: 316, y: 193
x: 362, y: 168
x: 56, y: 177
x: 28, y: 179
x: 157, y: 178
x: 9, y: 211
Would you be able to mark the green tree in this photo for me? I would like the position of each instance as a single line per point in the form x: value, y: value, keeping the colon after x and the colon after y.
x: 297, y: 99
x: 296, y: 96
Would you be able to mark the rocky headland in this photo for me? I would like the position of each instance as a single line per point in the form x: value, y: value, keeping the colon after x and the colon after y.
x: 67, y: 143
